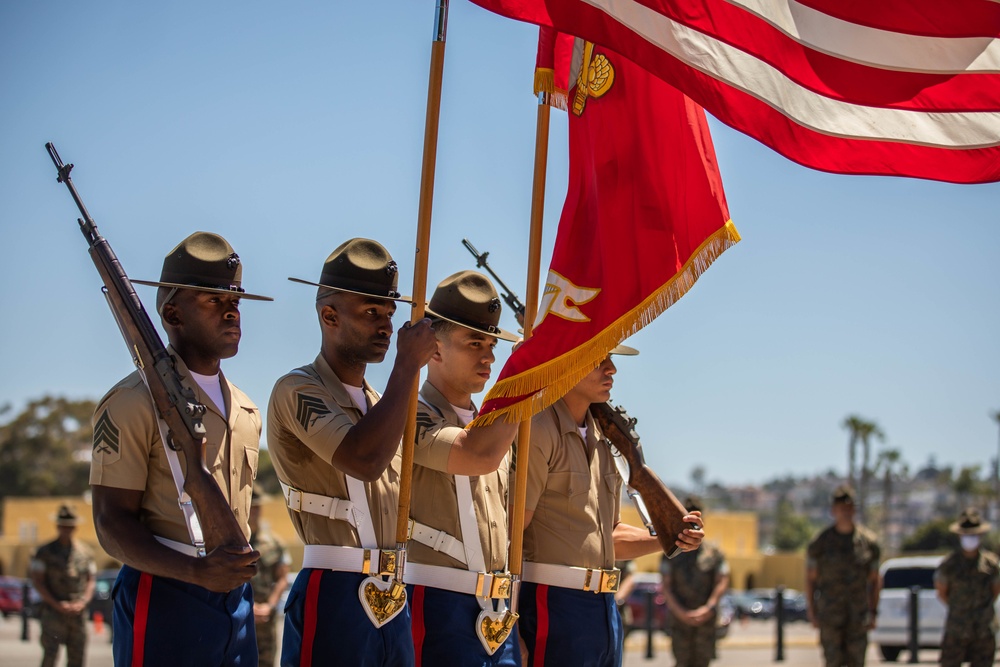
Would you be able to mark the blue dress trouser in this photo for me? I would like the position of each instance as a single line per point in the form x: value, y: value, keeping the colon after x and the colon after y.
x: 162, y: 621
x: 567, y: 627
x: 324, y: 605
x: 444, y: 631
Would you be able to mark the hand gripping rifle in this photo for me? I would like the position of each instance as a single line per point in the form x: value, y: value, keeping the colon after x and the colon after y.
x: 175, y: 404
x: 664, y: 515
x: 508, y: 295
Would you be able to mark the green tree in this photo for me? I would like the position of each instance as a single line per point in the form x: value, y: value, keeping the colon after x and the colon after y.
x: 861, y: 431
x: 931, y: 536
x: 792, y: 530
x: 45, y: 449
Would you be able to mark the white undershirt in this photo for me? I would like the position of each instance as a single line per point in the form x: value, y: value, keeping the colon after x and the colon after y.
x: 582, y: 430
x: 358, y: 395
x: 212, y: 385
x: 464, y: 416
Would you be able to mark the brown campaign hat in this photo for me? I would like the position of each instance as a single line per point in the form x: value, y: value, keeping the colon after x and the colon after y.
x: 624, y: 351
x: 360, y: 266
x: 843, y: 494
x: 469, y: 299
x: 970, y: 523
x: 67, y: 517
x: 204, y: 262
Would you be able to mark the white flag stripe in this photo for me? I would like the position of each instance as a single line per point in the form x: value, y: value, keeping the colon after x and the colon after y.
x: 871, y: 46
x: 817, y: 112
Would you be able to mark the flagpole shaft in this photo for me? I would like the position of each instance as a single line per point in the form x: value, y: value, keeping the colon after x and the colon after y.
x: 422, y: 251
x: 515, y: 559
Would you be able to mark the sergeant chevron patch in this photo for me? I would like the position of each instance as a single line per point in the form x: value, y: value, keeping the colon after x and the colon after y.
x: 424, y: 422
x: 106, y: 435
x: 309, y: 409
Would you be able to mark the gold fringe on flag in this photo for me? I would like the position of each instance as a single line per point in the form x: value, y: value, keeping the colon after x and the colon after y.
x: 553, y: 379
x: 545, y: 83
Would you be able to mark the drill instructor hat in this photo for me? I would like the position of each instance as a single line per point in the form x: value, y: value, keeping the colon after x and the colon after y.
x: 469, y: 299
x: 359, y: 266
x: 970, y: 523
x: 204, y: 262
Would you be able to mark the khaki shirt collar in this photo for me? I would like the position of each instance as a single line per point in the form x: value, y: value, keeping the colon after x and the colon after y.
x: 232, y: 403
x: 435, y: 398
x: 568, y: 425
x: 336, y: 386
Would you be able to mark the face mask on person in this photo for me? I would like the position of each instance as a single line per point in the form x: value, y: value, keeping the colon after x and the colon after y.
x: 969, y: 542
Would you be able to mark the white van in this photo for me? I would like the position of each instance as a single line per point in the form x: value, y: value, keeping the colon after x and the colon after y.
x: 892, y: 631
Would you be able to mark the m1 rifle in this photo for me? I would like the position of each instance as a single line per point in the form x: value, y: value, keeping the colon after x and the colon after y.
x: 664, y: 515
x: 175, y: 404
x: 507, y: 294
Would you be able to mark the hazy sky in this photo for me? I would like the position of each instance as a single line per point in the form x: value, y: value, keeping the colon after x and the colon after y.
x: 291, y: 127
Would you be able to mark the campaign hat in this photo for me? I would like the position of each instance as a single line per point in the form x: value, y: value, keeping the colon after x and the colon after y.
x: 470, y: 300
x: 843, y: 494
x: 204, y: 262
x: 970, y: 523
x: 359, y: 266
x: 67, y: 517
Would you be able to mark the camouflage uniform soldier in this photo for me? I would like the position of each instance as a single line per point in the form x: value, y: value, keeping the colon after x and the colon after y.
x: 693, y: 582
x: 968, y: 581
x: 268, y: 584
x: 842, y: 585
x: 64, y: 574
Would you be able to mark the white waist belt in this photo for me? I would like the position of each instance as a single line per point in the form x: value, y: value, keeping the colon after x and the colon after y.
x: 313, y: 503
x: 349, y: 559
x: 480, y: 584
x: 180, y: 547
x: 594, y: 580
x: 438, y: 540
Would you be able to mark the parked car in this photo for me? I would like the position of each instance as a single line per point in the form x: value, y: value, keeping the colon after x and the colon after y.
x: 898, y: 576
x: 102, y: 602
x: 12, y: 597
x: 756, y: 603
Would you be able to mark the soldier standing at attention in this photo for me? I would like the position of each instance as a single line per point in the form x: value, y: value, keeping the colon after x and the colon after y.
x: 335, y: 444
x: 457, y: 559
x: 64, y: 573
x: 268, y: 584
x: 968, y: 581
x: 693, y: 583
x: 573, y: 533
x: 174, y: 604
x: 842, y: 584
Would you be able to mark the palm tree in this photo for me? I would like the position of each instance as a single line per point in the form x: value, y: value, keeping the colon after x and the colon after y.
x: 861, y: 430
x: 889, y: 464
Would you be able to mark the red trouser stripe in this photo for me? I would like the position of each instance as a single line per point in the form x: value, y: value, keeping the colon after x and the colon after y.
x: 417, y: 626
x: 542, y: 632
x: 141, y: 619
x: 309, y: 619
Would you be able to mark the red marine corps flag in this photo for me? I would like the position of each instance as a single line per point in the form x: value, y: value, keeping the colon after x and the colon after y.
x: 893, y: 87
x: 644, y: 216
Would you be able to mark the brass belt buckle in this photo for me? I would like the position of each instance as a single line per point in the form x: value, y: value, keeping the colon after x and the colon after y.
x: 499, y: 588
x: 386, y: 562
x: 607, y: 581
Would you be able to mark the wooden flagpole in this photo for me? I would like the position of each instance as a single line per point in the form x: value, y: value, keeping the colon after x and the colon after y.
x: 515, y: 557
x: 420, y: 265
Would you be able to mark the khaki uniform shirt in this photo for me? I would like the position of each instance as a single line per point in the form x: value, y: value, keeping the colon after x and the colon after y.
x: 128, y: 452
x: 66, y: 570
x: 308, y: 417
x: 574, y: 490
x: 434, y: 502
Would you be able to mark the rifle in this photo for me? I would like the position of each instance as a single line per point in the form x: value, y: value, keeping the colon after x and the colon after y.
x: 175, y: 404
x: 508, y: 295
x: 665, y: 514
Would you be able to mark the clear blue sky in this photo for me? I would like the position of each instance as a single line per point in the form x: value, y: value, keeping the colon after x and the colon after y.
x: 290, y: 127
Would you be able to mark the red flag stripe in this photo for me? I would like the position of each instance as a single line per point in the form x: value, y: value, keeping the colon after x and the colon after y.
x: 925, y: 86
x: 141, y: 619
x: 866, y: 120
x: 955, y: 18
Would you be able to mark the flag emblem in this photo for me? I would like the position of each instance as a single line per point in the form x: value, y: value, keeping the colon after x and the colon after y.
x: 596, y: 78
x: 561, y: 298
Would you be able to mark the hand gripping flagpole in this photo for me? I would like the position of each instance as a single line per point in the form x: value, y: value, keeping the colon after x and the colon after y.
x: 515, y: 557
x: 420, y: 268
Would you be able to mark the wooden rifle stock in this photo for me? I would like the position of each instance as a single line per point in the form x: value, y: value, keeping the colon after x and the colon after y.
x: 175, y: 404
x: 665, y: 511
